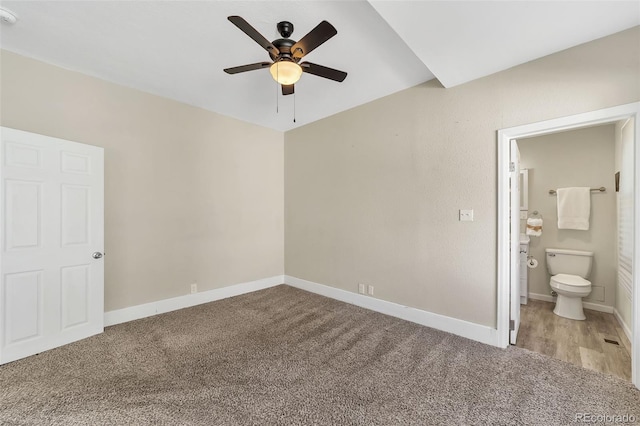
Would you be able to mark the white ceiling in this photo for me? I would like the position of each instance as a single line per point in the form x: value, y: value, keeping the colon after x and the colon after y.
x: 177, y: 49
x: 463, y: 41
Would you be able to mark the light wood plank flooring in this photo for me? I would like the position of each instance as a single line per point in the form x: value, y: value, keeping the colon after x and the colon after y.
x: 579, y: 342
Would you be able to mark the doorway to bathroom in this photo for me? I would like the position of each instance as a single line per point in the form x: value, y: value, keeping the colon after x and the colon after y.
x: 579, y: 318
x: 614, y: 287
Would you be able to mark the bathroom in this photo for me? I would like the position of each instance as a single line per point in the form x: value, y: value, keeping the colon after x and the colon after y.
x: 595, y: 157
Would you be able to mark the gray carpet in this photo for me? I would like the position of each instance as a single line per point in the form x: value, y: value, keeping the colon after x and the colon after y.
x: 285, y: 356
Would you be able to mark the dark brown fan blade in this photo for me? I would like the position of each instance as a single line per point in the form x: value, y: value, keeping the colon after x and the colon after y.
x: 322, y: 71
x: 246, y: 28
x: 249, y: 67
x: 321, y: 33
x: 287, y: 89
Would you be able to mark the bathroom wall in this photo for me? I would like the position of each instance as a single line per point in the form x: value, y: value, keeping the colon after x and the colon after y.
x: 624, y: 131
x: 583, y: 157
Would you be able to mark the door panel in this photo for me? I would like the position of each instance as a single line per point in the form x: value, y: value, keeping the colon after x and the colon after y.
x: 51, y: 288
x: 23, y: 306
x: 22, y: 155
x: 75, y: 295
x: 75, y: 215
x: 74, y: 163
x: 514, y: 243
x: 23, y: 203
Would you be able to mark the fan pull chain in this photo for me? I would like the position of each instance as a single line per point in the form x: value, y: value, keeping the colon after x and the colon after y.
x: 277, y: 87
x: 294, y: 107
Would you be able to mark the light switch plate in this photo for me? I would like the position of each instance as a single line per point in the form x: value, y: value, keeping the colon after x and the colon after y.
x: 466, y: 215
x: 523, y: 214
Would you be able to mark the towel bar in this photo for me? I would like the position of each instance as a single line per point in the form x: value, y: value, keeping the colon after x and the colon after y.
x: 601, y: 189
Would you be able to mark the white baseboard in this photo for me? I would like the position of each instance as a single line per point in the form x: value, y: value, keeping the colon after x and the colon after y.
x: 167, y: 305
x: 623, y: 324
x: 477, y: 332
x: 587, y: 305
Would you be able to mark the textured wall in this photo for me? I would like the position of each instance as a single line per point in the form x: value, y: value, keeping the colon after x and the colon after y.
x: 582, y: 157
x: 373, y: 193
x: 190, y: 196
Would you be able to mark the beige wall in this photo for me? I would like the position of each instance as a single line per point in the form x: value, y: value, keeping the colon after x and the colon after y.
x: 373, y: 193
x: 583, y: 157
x: 190, y: 196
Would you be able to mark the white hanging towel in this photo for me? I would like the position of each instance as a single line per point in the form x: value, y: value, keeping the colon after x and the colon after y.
x: 534, y: 226
x: 574, y: 208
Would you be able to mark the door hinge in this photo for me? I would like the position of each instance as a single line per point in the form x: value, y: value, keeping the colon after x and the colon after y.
x: 512, y: 167
x: 512, y: 324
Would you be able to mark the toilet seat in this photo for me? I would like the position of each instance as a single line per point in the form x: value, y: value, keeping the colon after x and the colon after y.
x: 572, y: 283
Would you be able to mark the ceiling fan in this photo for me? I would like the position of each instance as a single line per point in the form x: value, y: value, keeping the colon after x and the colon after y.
x: 285, y: 53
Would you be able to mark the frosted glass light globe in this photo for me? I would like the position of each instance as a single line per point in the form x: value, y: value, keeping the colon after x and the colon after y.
x: 285, y: 72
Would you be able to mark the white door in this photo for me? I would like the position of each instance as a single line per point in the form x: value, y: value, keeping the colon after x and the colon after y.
x: 514, y: 244
x: 51, y: 265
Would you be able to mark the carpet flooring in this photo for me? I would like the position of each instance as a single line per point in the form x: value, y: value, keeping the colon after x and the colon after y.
x: 282, y: 356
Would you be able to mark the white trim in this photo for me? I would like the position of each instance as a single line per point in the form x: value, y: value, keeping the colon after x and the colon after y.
x: 504, y: 248
x: 167, y: 305
x: 477, y: 332
x: 587, y: 305
x: 608, y: 115
x: 623, y: 324
x: 635, y: 298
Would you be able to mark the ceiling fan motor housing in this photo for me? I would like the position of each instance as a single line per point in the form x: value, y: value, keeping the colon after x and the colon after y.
x: 284, y: 46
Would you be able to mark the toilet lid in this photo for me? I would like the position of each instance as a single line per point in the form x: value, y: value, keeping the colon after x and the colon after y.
x: 572, y: 280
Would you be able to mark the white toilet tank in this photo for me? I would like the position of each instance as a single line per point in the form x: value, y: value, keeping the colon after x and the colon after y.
x: 573, y: 262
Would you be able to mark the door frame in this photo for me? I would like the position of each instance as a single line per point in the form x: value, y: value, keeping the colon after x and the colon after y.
x: 602, y: 116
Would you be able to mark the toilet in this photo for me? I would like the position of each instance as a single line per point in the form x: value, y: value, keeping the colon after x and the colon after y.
x: 569, y: 271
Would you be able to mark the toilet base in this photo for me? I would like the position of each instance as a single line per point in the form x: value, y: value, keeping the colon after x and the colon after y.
x: 569, y: 307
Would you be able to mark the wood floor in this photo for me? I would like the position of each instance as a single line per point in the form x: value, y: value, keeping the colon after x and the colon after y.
x: 578, y: 342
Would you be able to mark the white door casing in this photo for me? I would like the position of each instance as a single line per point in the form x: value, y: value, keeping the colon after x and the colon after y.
x: 514, y: 243
x: 592, y: 118
x: 52, y: 222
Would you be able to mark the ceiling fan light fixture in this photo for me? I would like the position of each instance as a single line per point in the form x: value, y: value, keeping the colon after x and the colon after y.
x: 285, y: 72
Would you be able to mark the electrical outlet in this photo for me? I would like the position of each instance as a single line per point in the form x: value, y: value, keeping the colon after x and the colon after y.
x: 361, y: 289
x: 466, y: 215
x: 370, y: 290
x: 194, y: 288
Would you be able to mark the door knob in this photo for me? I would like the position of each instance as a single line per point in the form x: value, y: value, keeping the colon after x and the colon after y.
x: 96, y: 255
